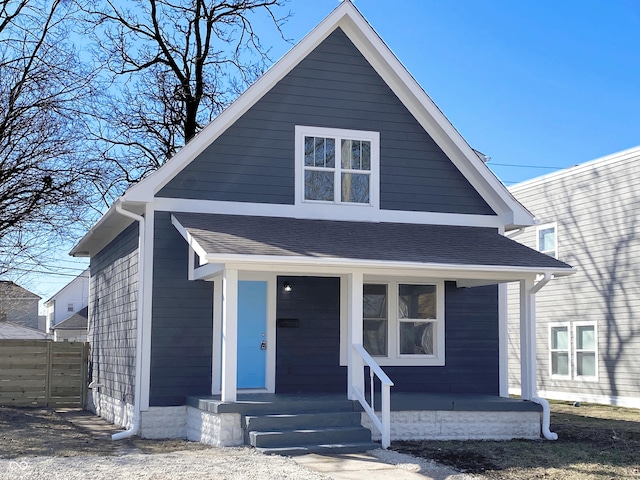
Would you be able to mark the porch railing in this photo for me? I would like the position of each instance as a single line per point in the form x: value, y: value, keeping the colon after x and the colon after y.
x: 383, y: 425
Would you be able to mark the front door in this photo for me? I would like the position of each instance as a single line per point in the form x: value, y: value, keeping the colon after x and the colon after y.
x: 252, y: 334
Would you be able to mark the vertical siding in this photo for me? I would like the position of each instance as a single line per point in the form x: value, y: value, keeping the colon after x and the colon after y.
x: 308, y: 357
x: 112, y: 315
x: 253, y: 161
x: 471, y: 343
x: 596, y: 210
x: 182, y: 322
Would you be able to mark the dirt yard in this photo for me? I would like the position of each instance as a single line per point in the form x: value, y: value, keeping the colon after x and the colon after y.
x: 37, y: 444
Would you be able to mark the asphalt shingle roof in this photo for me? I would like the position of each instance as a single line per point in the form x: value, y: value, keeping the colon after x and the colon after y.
x: 397, y: 242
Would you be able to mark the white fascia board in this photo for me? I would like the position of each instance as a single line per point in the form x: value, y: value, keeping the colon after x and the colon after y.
x: 192, y: 242
x: 625, y: 155
x: 341, y: 265
x: 324, y: 212
x: 426, y: 112
x: 106, y: 229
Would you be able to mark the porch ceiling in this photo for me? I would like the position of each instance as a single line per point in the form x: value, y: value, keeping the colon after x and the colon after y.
x: 221, y: 237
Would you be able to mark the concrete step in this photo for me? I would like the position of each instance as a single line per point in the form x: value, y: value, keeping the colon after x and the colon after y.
x: 297, y: 421
x: 299, y: 406
x: 311, y: 436
x: 325, y: 449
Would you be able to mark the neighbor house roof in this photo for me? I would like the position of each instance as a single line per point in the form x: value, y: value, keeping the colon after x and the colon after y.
x: 77, y: 321
x: 10, y: 330
x: 225, y: 237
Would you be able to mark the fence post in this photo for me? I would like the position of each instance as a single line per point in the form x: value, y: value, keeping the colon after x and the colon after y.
x: 47, y: 384
x: 84, y: 374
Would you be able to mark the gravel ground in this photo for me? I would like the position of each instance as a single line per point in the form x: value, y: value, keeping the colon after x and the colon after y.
x: 215, y: 463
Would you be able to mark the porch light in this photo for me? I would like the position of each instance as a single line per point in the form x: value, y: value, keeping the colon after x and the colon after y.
x: 287, y: 287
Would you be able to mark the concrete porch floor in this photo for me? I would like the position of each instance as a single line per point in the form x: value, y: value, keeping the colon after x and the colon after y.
x: 400, y: 401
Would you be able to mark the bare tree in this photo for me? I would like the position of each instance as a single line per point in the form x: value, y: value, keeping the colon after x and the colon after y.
x: 170, y: 66
x: 41, y: 172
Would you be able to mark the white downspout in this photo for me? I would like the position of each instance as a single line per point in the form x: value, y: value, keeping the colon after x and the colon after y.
x: 135, y: 427
x: 546, y: 411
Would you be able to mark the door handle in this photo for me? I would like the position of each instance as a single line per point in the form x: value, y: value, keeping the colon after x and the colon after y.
x: 263, y: 345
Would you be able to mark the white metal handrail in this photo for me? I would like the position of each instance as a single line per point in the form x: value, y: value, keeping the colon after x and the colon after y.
x: 383, y: 425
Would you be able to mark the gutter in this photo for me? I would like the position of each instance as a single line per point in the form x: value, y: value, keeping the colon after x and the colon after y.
x: 546, y: 410
x: 135, y: 427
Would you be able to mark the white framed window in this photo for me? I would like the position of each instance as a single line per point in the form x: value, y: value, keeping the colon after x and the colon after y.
x: 573, y: 351
x: 559, y: 350
x: 403, y: 322
x: 337, y: 166
x: 586, y: 350
x: 69, y: 307
x: 547, y: 239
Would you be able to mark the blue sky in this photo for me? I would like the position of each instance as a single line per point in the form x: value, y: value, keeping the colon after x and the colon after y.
x: 537, y: 85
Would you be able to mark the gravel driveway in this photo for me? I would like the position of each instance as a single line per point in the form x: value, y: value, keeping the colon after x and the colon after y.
x: 215, y: 463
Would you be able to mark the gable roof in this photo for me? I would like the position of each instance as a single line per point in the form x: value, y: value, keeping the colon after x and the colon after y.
x: 224, y: 238
x: 77, y: 321
x: 349, y: 19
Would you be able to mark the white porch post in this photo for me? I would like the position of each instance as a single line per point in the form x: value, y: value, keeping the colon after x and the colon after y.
x: 527, y: 340
x: 229, y: 335
x: 355, y: 365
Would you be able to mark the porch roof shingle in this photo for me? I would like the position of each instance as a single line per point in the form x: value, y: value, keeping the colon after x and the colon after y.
x: 396, y: 242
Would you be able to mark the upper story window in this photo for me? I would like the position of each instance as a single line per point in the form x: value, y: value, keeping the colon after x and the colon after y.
x: 547, y: 239
x: 337, y: 166
x: 70, y: 307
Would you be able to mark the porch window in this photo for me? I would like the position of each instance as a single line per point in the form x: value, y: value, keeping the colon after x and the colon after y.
x: 560, y: 361
x: 403, y: 323
x: 375, y: 321
x: 338, y: 166
x: 586, y: 350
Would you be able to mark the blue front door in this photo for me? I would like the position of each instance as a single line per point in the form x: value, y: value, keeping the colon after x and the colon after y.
x: 252, y: 334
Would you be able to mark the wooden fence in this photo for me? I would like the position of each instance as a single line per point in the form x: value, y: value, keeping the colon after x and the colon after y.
x: 43, y: 373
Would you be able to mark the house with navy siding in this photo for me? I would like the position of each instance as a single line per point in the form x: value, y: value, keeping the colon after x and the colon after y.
x: 326, y: 260
x: 587, y: 330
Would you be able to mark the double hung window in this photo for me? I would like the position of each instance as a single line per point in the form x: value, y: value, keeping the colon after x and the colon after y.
x: 338, y: 166
x: 573, y: 350
x: 403, y: 323
x: 547, y: 239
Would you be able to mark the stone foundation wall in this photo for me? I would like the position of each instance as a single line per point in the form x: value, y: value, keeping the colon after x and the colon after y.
x: 218, y: 429
x: 452, y: 425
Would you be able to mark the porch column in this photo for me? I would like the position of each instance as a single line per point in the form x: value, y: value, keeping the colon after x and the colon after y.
x: 355, y: 364
x: 229, y: 335
x: 528, y: 384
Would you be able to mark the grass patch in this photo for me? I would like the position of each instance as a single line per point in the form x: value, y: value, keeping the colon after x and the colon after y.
x: 595, y: 442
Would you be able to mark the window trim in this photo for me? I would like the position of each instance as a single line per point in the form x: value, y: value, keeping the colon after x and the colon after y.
x: 301, y: 131
x: 394, y: 358
x: 552, y: 375
x: 554, y: 225
x: 575, y: 325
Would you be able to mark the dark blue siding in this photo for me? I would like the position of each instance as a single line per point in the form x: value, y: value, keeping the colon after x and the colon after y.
x: 308, y: 357
x: 112, y: 315
x: 253, y: 161
x: 471, y: 337
x: 182, y: 323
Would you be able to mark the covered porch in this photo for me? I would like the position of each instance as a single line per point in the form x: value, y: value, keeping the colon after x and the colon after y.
x: 229, y: 250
